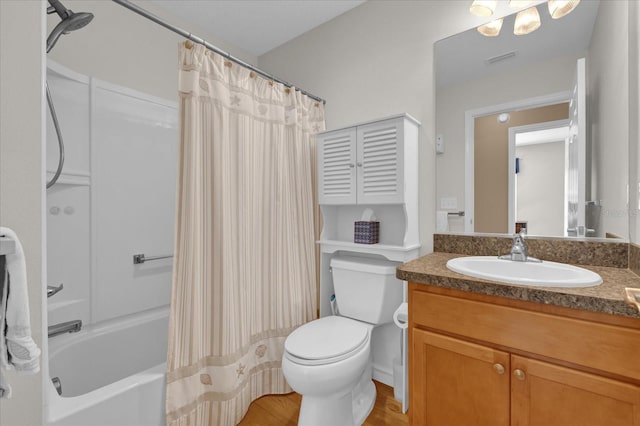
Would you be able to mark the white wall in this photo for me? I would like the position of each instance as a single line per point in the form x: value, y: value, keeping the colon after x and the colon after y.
x: 122, y: 47
x: 608, y: 114
x: 22, y: 176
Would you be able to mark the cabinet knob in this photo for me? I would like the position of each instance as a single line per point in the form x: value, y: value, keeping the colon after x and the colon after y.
x: 359, y: 164
x: 499, y: 368
x: 351, y: 165
x: 519, y: 374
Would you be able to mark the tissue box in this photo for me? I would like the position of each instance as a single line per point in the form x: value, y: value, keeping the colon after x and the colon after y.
x: 366, y: 232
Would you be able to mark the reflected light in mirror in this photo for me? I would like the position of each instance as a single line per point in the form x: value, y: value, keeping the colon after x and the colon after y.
x: 492, y: 29
x: 560, y: 8
x: 527, y: 21
x: 483, y: 7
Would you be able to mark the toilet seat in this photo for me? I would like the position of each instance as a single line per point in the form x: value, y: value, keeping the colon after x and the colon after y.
x: 326, y: 340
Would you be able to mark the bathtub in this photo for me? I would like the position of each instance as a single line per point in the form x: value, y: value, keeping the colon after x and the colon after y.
x: 112, y: 374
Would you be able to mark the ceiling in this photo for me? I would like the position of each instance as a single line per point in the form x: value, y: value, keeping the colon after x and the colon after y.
x: 257, y: 26
x: 465, y: 56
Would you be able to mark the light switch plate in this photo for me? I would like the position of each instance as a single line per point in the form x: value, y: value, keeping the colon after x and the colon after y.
x: 448, y: 203
x: 439, y: 144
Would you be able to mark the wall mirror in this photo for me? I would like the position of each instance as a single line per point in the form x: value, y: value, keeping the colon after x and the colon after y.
x: 527, y: 84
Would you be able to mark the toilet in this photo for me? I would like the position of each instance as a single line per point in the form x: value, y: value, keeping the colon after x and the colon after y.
x: 328, y: 360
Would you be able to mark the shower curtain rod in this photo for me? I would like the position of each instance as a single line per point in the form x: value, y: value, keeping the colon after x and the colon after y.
x: 140, y: 11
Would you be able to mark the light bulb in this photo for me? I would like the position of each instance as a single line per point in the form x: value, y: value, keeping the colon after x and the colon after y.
x: 491, y: 29
x: 560, y: 8
x: 483, y: 7
x: 527, y: 21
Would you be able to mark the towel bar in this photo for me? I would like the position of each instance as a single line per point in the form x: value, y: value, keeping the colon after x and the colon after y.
x: 140, y: 258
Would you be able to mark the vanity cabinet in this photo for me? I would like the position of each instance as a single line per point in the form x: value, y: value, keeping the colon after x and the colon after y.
x: 491, y: 362
x: 364, y: 164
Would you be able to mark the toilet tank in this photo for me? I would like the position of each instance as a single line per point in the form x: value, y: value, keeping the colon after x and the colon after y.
x: 366, y: 289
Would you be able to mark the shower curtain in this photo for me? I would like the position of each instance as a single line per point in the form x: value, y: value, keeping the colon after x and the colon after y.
x: 244, y: 261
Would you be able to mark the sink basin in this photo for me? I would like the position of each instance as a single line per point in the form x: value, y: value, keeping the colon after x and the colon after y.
x: 538, y: 274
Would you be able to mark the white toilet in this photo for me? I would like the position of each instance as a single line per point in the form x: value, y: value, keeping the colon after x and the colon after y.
x: 328, y: 360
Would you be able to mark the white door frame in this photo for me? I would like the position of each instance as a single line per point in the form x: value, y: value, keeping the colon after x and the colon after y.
x: 513, y: 131
x: 469, y: 117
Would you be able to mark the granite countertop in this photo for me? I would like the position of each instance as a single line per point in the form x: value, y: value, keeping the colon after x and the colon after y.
x: 608, y: 297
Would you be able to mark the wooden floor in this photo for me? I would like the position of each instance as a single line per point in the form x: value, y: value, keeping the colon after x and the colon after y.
x: 282, y: 410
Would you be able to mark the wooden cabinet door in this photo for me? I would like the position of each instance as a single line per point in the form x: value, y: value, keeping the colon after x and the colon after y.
x: 455, y: 383
x: 337, y: 167
x: 544, y: 394
x: 380, y: 167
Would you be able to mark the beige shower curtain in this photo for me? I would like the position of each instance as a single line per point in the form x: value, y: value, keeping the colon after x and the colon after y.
x: 244, y: 265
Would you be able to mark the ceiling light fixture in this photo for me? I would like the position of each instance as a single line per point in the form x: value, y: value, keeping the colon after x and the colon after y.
x: 491, y: 29
x: 483, y: 7
x: 527, y: 21
x: 560, y: 8
x: 504, y: 117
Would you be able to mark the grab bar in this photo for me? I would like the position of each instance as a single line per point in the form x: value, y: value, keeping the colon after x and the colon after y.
x: 64, y: 327
x: 140, y: 258
x: 51, y: 290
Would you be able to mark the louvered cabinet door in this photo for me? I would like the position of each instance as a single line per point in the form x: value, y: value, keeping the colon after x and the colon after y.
x: 379, y: 162
x: 337, y: 167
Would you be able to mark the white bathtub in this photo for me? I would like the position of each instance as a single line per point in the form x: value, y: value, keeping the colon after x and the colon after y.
x: 112, y: 374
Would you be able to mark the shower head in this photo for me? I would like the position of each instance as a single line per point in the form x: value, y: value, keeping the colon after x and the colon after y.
x: 70, y: 22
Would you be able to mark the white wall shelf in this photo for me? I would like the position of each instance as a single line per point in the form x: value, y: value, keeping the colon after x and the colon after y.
x: 391, y: 252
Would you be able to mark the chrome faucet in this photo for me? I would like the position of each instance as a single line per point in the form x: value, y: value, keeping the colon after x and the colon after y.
x: 64, y: 327
x: 519, y: 248
x: 519, y: 252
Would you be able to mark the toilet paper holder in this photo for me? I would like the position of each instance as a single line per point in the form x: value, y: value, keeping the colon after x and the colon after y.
x: 401, y: 317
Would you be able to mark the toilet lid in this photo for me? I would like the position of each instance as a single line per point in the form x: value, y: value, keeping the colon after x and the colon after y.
x: 326, y: 338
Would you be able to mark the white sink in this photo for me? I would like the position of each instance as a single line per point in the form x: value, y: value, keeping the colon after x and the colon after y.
x: 538, y: 274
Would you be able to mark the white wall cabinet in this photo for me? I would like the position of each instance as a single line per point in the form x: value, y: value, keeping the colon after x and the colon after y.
x: 364, y: 164
x: 372, y: 166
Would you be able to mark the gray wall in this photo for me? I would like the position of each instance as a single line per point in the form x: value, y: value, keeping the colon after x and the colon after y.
x: 22, y: 176
x: 608, y: 115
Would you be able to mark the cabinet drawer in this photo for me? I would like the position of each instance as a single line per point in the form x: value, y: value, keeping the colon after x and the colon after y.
x: 603, y: 347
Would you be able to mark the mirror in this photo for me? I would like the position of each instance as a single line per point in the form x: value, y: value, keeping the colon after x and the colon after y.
x: 483, y: 77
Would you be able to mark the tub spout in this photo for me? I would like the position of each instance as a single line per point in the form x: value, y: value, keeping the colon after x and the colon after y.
x: 65, y: 327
